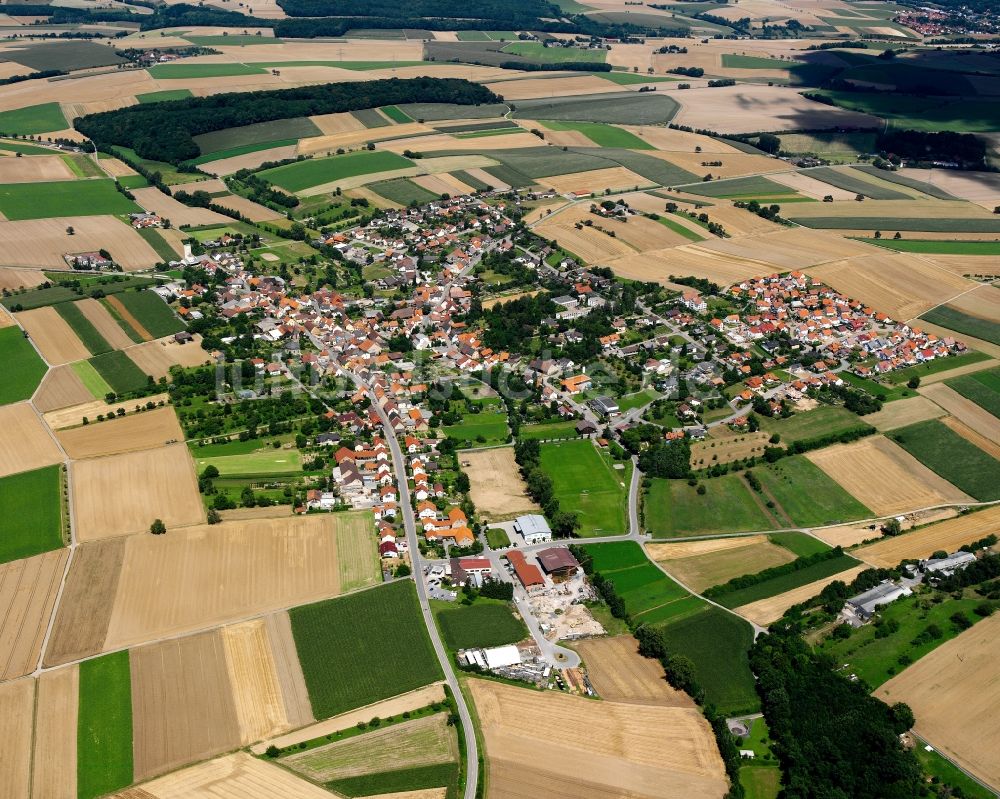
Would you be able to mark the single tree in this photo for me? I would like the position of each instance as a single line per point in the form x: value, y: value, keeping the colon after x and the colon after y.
x: 157, y: 527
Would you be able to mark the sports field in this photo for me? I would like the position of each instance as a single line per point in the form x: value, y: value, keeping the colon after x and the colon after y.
x: 318, y: 171
x: 23, y: 369
x: 31, y: 507
x: 949, y: 455
x: 361, y: 648
x: 672, y: 508
x: 63, y: 198
x: 585, y: 483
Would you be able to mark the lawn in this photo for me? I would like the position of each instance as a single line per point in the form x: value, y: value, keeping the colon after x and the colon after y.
x: 585, y: 484
x: 492, y: 427
x: 22, y: 366
x: 958, y: 461
x: 601, y: 135
x: 33, y: 119
x: 938, y: 246
x: 318, y: 171
x: 530, y: 432
x: 804, y: 494
x: 403, y: 191
x: 805, y: 425
x: 488, y: 622
x: 83, y: 328
x: 717, y: 643
x: 554, y: 55
x: 152, y: 313
x: 262, y: 462
x: 497, y: 538
x: 63, y: 198
x: 874, y: 653
x: 781, y: 583
x: 104, y: 726
x: 119, y: 372
x: 182, y: 71
x: 672, y: 508
x: 983, y: 388
x: 92, y: 379
x: 954, y: 319
x: 361, y: 648
x: 31, y: 507
x: 761, y: 777
x: 164, y: 96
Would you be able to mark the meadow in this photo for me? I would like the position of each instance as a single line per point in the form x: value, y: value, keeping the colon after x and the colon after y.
x: 947, y: 454
x: 23, y: 369
x: 63, y: 198
x: 954, y: 319
x: 983, y: 388
x: 33, y: 119
x: 545, y: 430
x: 119, y: 372
x: 912, y: 112
x: 488, y: 622
x: 261, y: 462
x: 601, y: 135
x: 492, y: 427
x: 152, y: 313
x: 805, y: 496
x: 822, y: 421
x: 104, y: 726
x: 318, y: 171
x: 364, y: 647
x: 672, y: 508
x: 584, y: 483
x: 31, y: 507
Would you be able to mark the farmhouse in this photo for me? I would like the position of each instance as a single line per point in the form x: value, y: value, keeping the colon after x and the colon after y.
x: 529, y: 575
x: 558, y: 563
x: 865, y: 605
x: 533, y: 528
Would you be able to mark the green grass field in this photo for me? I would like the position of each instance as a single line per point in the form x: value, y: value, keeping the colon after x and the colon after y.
x: 801, y: 544
x: 83, y: 328
x: 119, y: 372
x: 317, y: 171
x: 898, y: 223
x: 733, y: 61
x: 916, y: 112
x: 33, y: 119
x: 600, y: 134
x: 717, y: 643
x: 403, y: 191
x: 672, y: 508
x: 983, y: 388
x: 189, y: 71
x: 938, y: 246
x: 491, y: 426
x: 400, y: 781
x: 805, y: 495
x: 395, y: 114
x: 761, y: 777
x: 23, y: 368
x: 961, y: 322
x: 949, y: 455
x: 232, y: 40
x: 262, y: 462
x: 633, y: 78
x: 497, y: 538
x: 31, y: 507
x: 555, y: 55
x: 544, y: 430
x: 820, y: 421
x: 63, y: 198
x: 936, y: 765
x: 584, y: 483
x: 785, y: 582
x: 104, y: 726
x: 152, y: 313
x: 164, y: 96
x: 683, y: 230
x: 155, y: 239
x: 135, y: 182
x: 243, y: 149
x: 361, y: 648
x: 488, y: 622
x: 9, y: 146
x: 615, y: 555
x: 91, y: 379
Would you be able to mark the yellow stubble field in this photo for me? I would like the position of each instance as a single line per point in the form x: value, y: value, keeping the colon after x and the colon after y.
x: 137, y: 431
x: 947, y: 535
x: 26, y: 443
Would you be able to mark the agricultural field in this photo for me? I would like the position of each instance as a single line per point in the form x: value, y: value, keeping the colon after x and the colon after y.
x: 23, y: 369
x: 147, y: 314
x: 26, y: 443
x: 32, y: 508
x: 320, y: 171
x: 62, y: 198
x: 982, y: 388
x: 266, y: 461
x: 496, y: 485
x: 33, y: 119
x: 948, y: 535
x: 331, y: 641
x: 804, y: 496
x: 620, y: 674
x: 584, y: 480
x: 104, y: 726
x: 119, y: 372
x: 672, y: 508
x: 951, y: 456
x: 702, y: 564
x: 26, y: 605
x: 137, y: 431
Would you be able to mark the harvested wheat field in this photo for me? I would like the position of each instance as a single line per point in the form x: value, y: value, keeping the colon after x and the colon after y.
x: 442, y: 184
x: 728, y: 448
x: 117, y: 168
x: 156, y: 202
x: 620, y: 674
x: 903, y: 286
x: 810, y: 187
x: 227, y: 166
x: 104, y: 322
x: 72, y: 415
x: 84, y: 612
x: 25, y: 443
x: 988, y: 446
x: 13, y: 279
x: 236, y: 776
x: 17, y: 706
x: 329, y: 143
x: 213, y: 574
x: 733, y: 164
x: 939, y: 377
x: 595, y: 180
x: 784, y: 249
x: 34, y: 170
x: 904, y: 412
x: 966, y: 411
x: 958, y: 674
x: 260, y: 709
x: 530, y: 88
x: 982, y: 188
x: 28, y: 591
x: 122, y: 494
x: 182, y: 704
x: 54, y: 770
x: 497, y: 487
x: 414, y: 700
x: 966, y: 264
x: 6, y: 320
x: 610, y: 749
x: 43, y: 242
x: 716, y: 565
x: 156, y: 357
x: 983, y: 302
x: 671, y: 141
x: 884, y: 477
x: 292, y: 682
x: 61, y: 388
x: 54, y: 338
x: 847, y: 535
x: 331, y: 124
x: 642, y: 233
x: 137, y: 431
x: 659, y: 265
x: 248, y: 208
x: 948, y: 535
x: 766, y: 611
x: 587, y: 243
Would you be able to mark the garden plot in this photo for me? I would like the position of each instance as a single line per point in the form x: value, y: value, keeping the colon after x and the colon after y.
x: 137, y: 431
x: 43, y: 242
x: 497, y: 488
x: 620, y: 674
x: 156, y: 357
x: 884, y: 477
x: 61, y: 388
x: 947, y: 535
x: 766, y: 611
x: 54, y: 768
x: 122, y: 494
x: 34, y: 170
x: 53, y: 336
x: 28, y: 591
x: 25, y: 444
x: 610, y: 749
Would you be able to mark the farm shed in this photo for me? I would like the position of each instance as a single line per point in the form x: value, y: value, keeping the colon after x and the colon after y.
x: 534, y: 528
x: 528, y: 573
x: 867, y: 603
x: 558, y: 563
